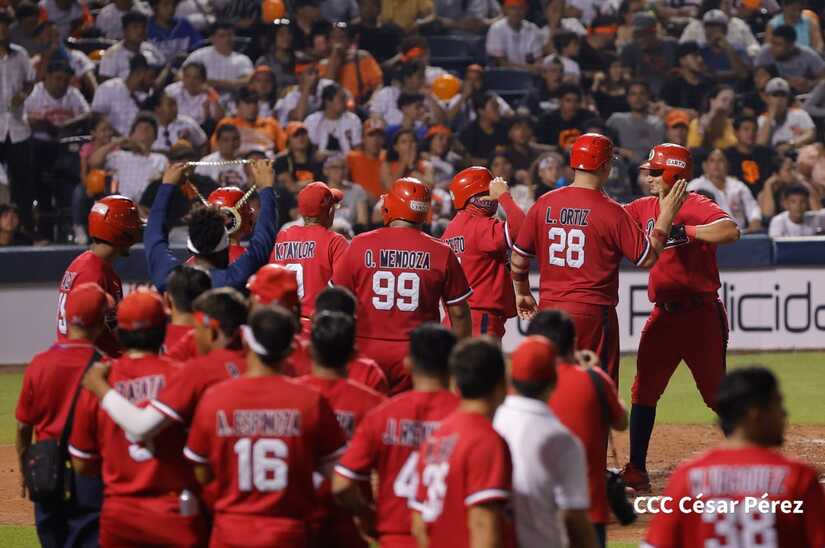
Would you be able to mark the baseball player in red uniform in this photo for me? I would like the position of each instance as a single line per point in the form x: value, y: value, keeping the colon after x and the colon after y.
x: 142, y: 482
x: 753, y: 495
x: 234, y: 203
x: 683, y: 286
x: 482, y: 244
x: 332, y: 340
x: 579, y: 236
x: 388, y: 438
x: 313, y: 249
x: 261, y: 437
x: 400, y: 276
x: 219, y: 315
x: 464, y: 467
x: 183, y: 285
x: 49, y: 384
x: 114, y: 226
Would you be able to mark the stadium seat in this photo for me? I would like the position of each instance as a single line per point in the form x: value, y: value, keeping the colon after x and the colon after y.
x: 511, y: 84
x: 454, y: 53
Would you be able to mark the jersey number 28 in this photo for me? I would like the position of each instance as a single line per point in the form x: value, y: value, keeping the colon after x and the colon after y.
x: 566, y: 247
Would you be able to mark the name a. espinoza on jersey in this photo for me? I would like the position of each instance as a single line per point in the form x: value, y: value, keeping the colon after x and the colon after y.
x: 398, y: 258
x: 568, y: 216
x: 407, y: 432
x: 295, y: 250
x: 259, y: 422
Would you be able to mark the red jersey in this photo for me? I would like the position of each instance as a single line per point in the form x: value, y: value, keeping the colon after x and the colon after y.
x: 686, y: 266
x: 180, y: 396
x: 579, y: 237
x: 184, y: 349
x: 743, y: 475
x: 399, y: 276
x: 311, y: 251
x: 577, y: 405
x: 349, y: 400
x: 482, y: 244
x: 360, y: 369
x: 263, y: 438
x: 174, y: 334
x: 133, y: 469
x: 387, y: 440
x: 462, y: 464
x: 89, y: 268
x: 49, y: 383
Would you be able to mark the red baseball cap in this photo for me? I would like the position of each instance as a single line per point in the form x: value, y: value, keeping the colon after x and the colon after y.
x: 141, y: 309
x: 316, y: 198
x: 274, y: 283
x: 86, y: 305
x: 534, y: 360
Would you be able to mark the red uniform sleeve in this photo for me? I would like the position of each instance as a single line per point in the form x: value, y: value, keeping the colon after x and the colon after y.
x: 525, y: 244
x: 629, y: 237
x: 198, y: 442
x: 709, y: 212
x: 83, y: 441
x: 813, y: 503
x: 515, y: 218
x: 360, y: 457
x: 25, y: 412
x: 342, y: 273
x: 664, y: 530
x: 337, y: 248
x: 634, y: 210
x: 178, y: 399
x: 330, y: 439
x: 456, y: 288
x: 490, y: 477
x: 612, y: 395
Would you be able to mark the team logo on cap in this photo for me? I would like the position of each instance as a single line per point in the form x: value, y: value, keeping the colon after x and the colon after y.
x: 675, y: 163
x: 419, y: 206
x: 100, y: 208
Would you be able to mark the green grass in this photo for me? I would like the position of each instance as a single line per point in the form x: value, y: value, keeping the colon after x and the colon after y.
x: 622, y: 544
x: 18, y: 536
x: 801, y: 376
x: 9, y: 392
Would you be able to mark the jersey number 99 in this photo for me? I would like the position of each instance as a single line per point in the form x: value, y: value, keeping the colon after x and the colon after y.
x: 400, y: 291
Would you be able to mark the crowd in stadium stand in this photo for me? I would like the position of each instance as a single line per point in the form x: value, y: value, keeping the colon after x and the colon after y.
x: 97, y: 98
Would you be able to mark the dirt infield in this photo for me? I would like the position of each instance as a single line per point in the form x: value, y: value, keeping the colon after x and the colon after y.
x: 670, y: 444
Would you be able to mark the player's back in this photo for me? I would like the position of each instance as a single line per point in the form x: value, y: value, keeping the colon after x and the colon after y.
x: 481, y: 244
x: 349, y: 400
x: 755, y: 478
x: 142, y: 469
x: 685, y: 267
x: 311, y: 251
x: 399, y: 276
x: 579, y: 237
x: 388, y: 440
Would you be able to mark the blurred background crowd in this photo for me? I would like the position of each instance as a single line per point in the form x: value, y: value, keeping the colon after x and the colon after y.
x: 97, y: 98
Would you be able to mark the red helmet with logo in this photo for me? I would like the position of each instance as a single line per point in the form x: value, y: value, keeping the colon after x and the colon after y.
x: 115, y: 220
x: 277, y: 284
x: 407, y: 200
x: 674, y: 161
x: 241, y: 219
x: 468, y: 183
x: 590, y: 152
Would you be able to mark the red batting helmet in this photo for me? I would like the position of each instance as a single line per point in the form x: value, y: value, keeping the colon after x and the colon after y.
x: 673, y: 160
x: 590, y: 152
x: 407, y: 200
x: 468, y: 183
x: 241, y: 219
x: 115, y: 220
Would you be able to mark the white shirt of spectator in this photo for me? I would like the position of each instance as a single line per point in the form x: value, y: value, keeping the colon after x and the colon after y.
x: 384, y: 103
x: 226, y: 175
x: 113, y: 100
x: 80, y: 62
x: 514, y: 45
x: 549, y: 470
x: 182, y: 127
x: 813, y: 224
x: 571, y: 70
x: 288, y: 102
x: 222, y: 67
x: 735, y: 199
x: 115, y: 61
x: 796, y: 121
x: 347, y: 129
x: 62, y: 19
x: 15, y: 71
x: 188, y: 105
x: 503, y: 106
x: 109, y: 20
x: 134, y: 172
x: 41, y: 104
x: 431, y: 73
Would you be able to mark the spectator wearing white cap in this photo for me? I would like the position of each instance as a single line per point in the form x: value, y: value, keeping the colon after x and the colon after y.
x: 550, y: 491
x: 725, y: 61
x: 729, y: 193
x: 799, y: 65
x: 512, y: 41
x: 739, y: 34
x: 649, y: 56
x: 110, y: 18
x: 115, y: 61
x: 781, y: 126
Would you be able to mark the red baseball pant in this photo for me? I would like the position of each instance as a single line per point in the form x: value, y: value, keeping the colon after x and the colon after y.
x: 149, y: 521
x: 389, y: 355
x: 697, y: 334
x: 248, y: 530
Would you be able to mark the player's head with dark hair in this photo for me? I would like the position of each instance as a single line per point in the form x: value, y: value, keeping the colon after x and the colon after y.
x: 795, y: 190
x: 477, y: 366
x: 332, y: 340
x: 749, y: 405
x: 481, y: 99
x: 269, y: 335
x: 796, y: 199
x: 219, y: 314
x: 430, y: 347
x: 185, y: 284
x: 557, y: 326
x: 331, y: 96
x: 208, y: 238
x: 335, y: 299
x: 147, y: 340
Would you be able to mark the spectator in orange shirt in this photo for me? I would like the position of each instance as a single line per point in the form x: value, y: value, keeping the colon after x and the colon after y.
x: 256, y: 132
x: 356, y: 70
x: 365, y: 165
